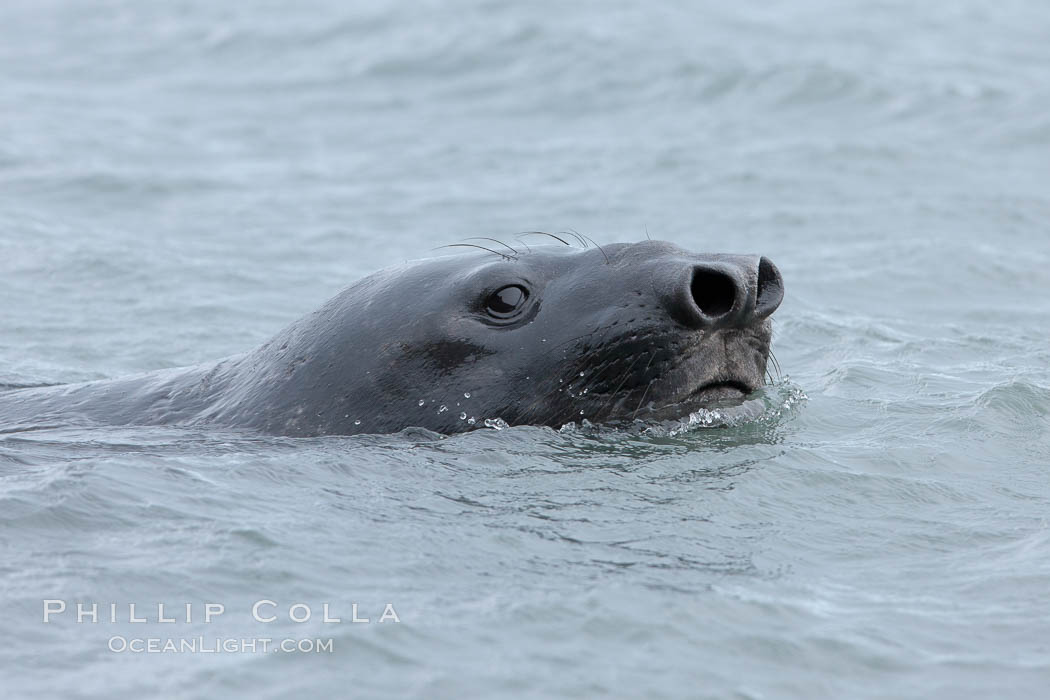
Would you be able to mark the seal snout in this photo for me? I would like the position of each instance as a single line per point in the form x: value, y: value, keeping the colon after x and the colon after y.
x: 727, y: 291
x: 769, y: 289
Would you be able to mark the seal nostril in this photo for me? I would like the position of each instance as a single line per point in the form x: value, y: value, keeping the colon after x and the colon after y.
x: 770, y: 288
x: 713, y: 292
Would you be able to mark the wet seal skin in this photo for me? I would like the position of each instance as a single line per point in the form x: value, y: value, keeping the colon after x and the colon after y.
x: 538, y: 335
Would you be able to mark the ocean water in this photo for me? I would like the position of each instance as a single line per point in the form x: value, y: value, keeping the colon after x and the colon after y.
x: 178, y: 180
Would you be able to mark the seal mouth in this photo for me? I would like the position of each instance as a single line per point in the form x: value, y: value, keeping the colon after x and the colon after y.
x: 719, y: 390
x: 722, y: 393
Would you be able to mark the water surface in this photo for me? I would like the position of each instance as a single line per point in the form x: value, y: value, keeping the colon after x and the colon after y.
x: 180, y: 180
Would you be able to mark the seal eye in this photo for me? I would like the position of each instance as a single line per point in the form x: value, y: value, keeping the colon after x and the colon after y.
x: 506, y: 301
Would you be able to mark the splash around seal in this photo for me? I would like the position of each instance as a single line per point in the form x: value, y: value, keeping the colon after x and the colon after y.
x: 549, y: 336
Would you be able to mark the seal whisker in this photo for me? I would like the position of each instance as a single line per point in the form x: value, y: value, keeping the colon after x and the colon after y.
x: 544, y: 233
x: 474, y: 245
x: 642, y: 400
x: 599, y: 248
x: 626, y: 376
x: 494, y: 240
x: 596, y: 352
x: 573, y: 232
x: 601, y: 369
x: 652, y: 356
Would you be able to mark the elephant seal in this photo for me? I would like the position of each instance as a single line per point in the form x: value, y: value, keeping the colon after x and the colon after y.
x: 544, y: 337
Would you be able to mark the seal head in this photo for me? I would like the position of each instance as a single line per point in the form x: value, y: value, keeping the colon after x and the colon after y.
x: 554, y: 335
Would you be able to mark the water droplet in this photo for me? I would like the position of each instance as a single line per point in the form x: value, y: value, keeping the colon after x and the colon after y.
x: 443, y: 408
x: 421, y: 402
x: 463, y: 416
x: 466, y: 394
x: 581, y: 413
x: 471, y: 421
x: 357, y: 422
x: 561, y: 381
x: 581, y: 374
